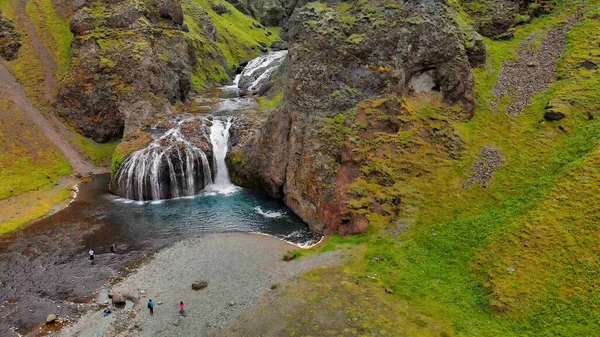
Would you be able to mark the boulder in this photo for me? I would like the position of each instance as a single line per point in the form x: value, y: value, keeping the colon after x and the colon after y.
x: 10, y: 39
x: 279, y: 45
x: 589, y: 65
x: 51, y: 319
x: 118, y: 299
x: 110, y: 90
x: 289, y: 257
x: 199, y: 285
x: 554, y: 115
x: 264, y: 88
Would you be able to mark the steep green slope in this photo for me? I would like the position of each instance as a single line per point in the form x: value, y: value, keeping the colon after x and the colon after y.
x: 516, y: 258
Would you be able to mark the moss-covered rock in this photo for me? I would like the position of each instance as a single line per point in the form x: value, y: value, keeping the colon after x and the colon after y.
x: 341, y: 56
x: 9, y: 39
x: 495, y: 18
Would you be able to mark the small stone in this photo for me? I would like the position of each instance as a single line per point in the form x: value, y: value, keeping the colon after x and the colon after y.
x: 274, y: 286
x: 531, y: 64
x: 199, y: 285
x: 510, y: 270
x: 51, y: 319
x: 289, y: 257
x: 159, y: 302
x: 589, y: 65
x: 231, y: 304
x: 389, y: 291
x: 554, y: 115
x: 143, y: 292
x: 378, y: 259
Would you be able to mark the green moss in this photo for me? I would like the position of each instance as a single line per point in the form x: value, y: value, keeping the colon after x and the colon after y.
x: 33, y: 206
x: 447, y: 251
x: 28, y: 161
x: 53, y: 30
x: 238, y: 38
x: 266, y: 103
x: 355, y: 38
x: 99, y: 154
x: 132, y: 142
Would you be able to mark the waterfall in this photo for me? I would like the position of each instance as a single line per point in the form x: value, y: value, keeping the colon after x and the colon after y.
x: 219, y: 138
x: 185, y: 153
x: 260, y: 70
x: 170, y: 167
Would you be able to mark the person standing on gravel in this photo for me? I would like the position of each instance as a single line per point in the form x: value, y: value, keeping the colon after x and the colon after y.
x: 151, y: 306
x: 181, y: 309
x: 91, y: 252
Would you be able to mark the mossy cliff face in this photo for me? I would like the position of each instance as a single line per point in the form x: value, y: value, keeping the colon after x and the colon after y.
x: 9, y: 39
x: 496, y: 18
x: 129, y: 62
x: 342, y: 60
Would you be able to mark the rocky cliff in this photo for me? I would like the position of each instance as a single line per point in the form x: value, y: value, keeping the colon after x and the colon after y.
x: 496, y: 18
x: 129, y: 62
x: 347, y: 61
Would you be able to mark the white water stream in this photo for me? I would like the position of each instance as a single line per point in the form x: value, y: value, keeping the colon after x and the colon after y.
x: 219, y: 138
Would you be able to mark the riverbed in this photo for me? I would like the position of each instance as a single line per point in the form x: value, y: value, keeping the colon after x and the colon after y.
x: 44, y: 268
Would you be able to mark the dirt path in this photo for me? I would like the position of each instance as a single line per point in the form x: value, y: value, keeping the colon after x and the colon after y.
x: 50, y: 67
x: 11, y: 88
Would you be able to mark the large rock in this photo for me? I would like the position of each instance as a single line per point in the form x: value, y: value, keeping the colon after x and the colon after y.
x: 10, y: 39
x: 118, y: 298
x: 397, y: 50
x: 130, y: 62
x: 494, y: 18
x: 51, y: 319
x: 199, y: 285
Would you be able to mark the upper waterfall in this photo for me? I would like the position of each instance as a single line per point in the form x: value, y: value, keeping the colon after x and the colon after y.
x: 260, y: 70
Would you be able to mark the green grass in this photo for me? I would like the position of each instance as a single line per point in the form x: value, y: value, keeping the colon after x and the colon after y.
x: 99, y: 154
x: 266, y: 103
x: 538, y: 216
x: 238, y: 39
x: 33, y: 206
x: 53, y: 31
x: 28, y: 161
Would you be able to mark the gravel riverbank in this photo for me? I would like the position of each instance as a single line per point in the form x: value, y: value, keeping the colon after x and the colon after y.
x: 239, y: 268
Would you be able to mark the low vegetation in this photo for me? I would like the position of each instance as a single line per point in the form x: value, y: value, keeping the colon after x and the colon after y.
x: 518, y: 258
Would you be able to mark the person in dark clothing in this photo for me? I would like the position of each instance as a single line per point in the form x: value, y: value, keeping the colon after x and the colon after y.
x: 113, y: 248
x: 151, y: 306
x: 91, y: 252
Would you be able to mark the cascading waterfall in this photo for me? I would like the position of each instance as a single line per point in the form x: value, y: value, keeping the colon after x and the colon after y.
x: 260, y: 70
x: 173, y: 166
x: 219, y: 138
x: 170, y: 167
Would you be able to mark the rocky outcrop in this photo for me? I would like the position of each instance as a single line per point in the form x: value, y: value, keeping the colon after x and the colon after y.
x: 273, y: 13
x: 130, y: 62
x: 10, y: 39
x: 336, y: 62
x: 495, y: 18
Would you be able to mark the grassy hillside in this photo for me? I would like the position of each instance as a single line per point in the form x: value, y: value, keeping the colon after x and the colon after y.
x: 238, y: 37
x: 516, y: 258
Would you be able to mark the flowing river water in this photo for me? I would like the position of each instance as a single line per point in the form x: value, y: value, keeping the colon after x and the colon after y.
x: 44, y: 268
